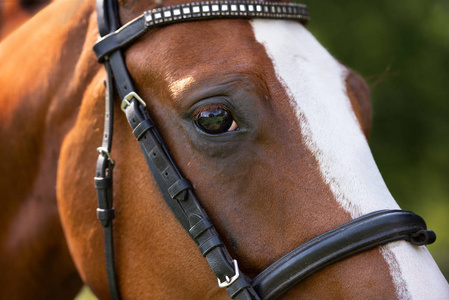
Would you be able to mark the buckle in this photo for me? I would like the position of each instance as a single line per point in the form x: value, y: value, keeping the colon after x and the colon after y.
x: 231, y: 280
x: 104, y: 151
x: 127, y: 100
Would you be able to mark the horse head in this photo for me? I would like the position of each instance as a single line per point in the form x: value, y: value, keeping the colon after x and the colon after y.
x: 272, y: 133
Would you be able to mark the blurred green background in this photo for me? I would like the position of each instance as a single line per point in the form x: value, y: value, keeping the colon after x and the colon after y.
x: 401, y: 48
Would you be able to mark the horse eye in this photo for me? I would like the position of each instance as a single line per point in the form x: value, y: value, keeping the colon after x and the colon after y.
x: 215, y: 120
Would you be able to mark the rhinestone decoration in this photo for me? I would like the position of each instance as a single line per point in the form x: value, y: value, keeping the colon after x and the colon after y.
x: 201, y: 11
x: 226, y: 9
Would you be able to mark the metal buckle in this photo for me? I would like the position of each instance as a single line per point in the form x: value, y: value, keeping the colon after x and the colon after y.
x: 231, y: 280
x: 126, y: 100
x: 103, y: 151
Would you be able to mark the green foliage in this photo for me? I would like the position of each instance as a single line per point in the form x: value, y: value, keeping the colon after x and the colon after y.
x: 401, y: 48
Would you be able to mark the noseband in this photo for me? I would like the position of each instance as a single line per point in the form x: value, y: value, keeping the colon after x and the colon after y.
x: 361, y: 234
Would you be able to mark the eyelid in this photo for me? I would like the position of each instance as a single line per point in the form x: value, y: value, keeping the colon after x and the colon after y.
x: 206, y: 103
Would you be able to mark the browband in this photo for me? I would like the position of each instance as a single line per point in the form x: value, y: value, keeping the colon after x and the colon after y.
x: 361, y: 234
x: 194, y: 12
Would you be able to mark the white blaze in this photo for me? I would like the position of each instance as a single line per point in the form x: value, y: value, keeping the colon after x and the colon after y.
x: 315, y: 82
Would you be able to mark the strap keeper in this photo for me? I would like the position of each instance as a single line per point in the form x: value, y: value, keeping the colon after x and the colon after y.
x: 105, y: 216
x: 178, y: 187
x: 102, y: 183
x: 200, y: 227
x: 210, y: 244
x: 141, y: 128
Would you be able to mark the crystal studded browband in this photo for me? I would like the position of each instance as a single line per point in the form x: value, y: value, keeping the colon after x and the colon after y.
x: 197, y: 11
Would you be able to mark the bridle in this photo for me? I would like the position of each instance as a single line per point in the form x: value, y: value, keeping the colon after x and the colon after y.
x: 358, y: 235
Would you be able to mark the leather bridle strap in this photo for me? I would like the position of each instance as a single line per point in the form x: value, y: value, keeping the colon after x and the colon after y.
x: 178, y: 193
x: 103, y: 184
x: 107, y: 22
x: 356, y: 236
x: 361, y: 234
x: 196, y: 11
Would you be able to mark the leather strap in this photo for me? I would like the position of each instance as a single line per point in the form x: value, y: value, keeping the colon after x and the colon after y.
x: 186, y: 208
x: 188, y: 12
x: 108, y: 21
x: 361, y: 234
x: 103, y: 184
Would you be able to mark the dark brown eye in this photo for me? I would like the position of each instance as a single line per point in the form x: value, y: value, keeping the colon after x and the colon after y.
x: 215, y: 120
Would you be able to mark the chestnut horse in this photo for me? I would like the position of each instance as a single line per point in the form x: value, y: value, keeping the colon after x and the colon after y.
x: 293, y: 163
x: 14, y: 13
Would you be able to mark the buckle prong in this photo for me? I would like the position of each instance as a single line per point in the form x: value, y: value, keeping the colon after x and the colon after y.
x: 231, y: 280
x: 127, y: 101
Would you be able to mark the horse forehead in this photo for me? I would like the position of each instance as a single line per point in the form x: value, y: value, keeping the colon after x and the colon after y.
x: 189, y: 52
x: 316, y: 84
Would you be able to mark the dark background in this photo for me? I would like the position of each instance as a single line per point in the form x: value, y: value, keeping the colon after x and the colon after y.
x: 401, y: 48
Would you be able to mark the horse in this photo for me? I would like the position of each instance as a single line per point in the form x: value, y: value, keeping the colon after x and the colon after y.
x: 13, y: 13
x: 285, y: 160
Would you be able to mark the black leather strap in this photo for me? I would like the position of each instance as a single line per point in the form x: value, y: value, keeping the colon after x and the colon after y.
x: 142, y: 128
x: 200, y: 227
x: 178, y: 189
x: 197, y: 11
x: 103, y: 184
x: 187, y: 209
x: 107, y: 16
x: 361, y: 234
x: 108, y: 21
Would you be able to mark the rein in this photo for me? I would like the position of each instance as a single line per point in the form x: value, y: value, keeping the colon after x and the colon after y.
x: 358, y: 235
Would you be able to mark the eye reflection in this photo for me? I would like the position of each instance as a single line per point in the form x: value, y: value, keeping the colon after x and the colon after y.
x: 215, y: 120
